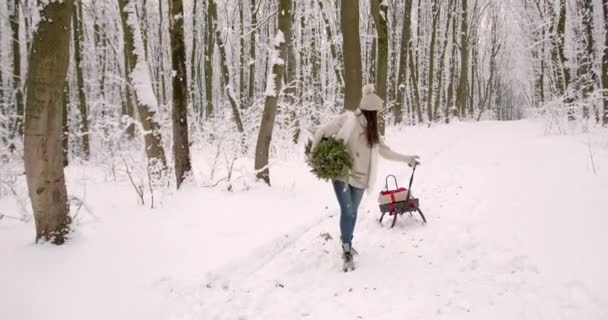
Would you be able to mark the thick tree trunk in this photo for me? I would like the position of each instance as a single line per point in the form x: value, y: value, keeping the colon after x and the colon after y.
x: 273, y: 90
x: 48, y: 65
x: 461, y: 92
x: 379, y: 13
x: 224, y: 65
x: 605, y: 64
x: 81, y: 90
x: 406, y: 36
x: 181, y: 148
x: 352, y: 53
x: 142, y: 86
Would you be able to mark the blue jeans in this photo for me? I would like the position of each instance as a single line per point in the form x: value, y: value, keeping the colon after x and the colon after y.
x: 349, y: 198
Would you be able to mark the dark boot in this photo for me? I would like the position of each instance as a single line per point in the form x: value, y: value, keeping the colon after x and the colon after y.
x: 347, y: 257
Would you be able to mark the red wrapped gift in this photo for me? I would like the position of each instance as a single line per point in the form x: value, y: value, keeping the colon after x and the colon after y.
x: 392, y: 196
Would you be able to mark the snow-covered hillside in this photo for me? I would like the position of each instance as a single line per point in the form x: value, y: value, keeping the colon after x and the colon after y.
x: 517, y: 230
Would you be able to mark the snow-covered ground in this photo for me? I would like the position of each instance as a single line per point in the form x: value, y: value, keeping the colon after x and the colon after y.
x: 517, y: 230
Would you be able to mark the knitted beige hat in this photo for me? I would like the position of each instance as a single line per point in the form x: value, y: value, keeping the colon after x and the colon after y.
x: 370, y: 101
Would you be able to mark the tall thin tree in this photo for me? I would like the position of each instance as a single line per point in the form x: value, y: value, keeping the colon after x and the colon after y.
x: 279, y: 56
x: 181, y: 147
x: 379, y: 13
x: 79, y: 66
x: 605, y: 64
x: 17, y: 78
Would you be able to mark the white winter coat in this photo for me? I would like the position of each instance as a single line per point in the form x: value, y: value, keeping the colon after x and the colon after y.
x: 350, y: 127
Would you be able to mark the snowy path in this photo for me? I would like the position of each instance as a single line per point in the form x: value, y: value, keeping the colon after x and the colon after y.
x: 513, y: 233
x: 516, y: 230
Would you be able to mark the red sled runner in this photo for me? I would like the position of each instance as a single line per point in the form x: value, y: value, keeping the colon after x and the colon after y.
x: 395, y: 202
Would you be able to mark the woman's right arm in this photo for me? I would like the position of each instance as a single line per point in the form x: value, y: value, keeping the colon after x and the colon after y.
x: 328, y: 129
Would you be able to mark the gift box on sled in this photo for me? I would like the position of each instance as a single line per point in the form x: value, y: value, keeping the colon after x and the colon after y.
x: 398, y: 201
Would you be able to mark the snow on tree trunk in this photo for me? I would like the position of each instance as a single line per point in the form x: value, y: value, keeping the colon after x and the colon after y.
x: 278, y: 56
x: 141, y: 83
x: 224, y: 65
x: 181, y: 148
x: 43, y: 152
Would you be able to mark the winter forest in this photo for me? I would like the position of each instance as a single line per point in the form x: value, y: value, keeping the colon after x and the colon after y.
x: 161, y: 144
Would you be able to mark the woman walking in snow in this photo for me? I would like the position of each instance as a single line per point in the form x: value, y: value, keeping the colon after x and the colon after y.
x: 359, y: 131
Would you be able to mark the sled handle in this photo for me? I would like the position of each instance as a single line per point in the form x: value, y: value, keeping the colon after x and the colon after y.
x: 409, y: 188
x: 394, y: 179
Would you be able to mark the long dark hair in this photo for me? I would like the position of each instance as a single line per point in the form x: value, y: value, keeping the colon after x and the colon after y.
x: 371, y: 132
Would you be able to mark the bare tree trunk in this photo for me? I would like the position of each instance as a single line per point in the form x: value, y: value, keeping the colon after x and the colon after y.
x: 406, y: 36
x: 161, y: 91
x: 81, y: 90
x: 17, y: 78
x: 332, y: 47
x: 414, y: 81
x: 181, y: 148
x: 436, y: 10
x: 461, y: 92
x: 242, y: 56
x: 195, y: 90
x: 379, y: 13
x: 65, y: 128
x: 352, y: 53
x: 209, y: 48
x: 141, y: 81
x: 279, y: 56
x: 605, y: 63
x: 586, y: 63
x: 450, y: 99
x: 254, y: 22
x: 48, y: 65
x: 128, y: 109
x: 561, y: 34
x: 444, y: 49
x: 224, y: 65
